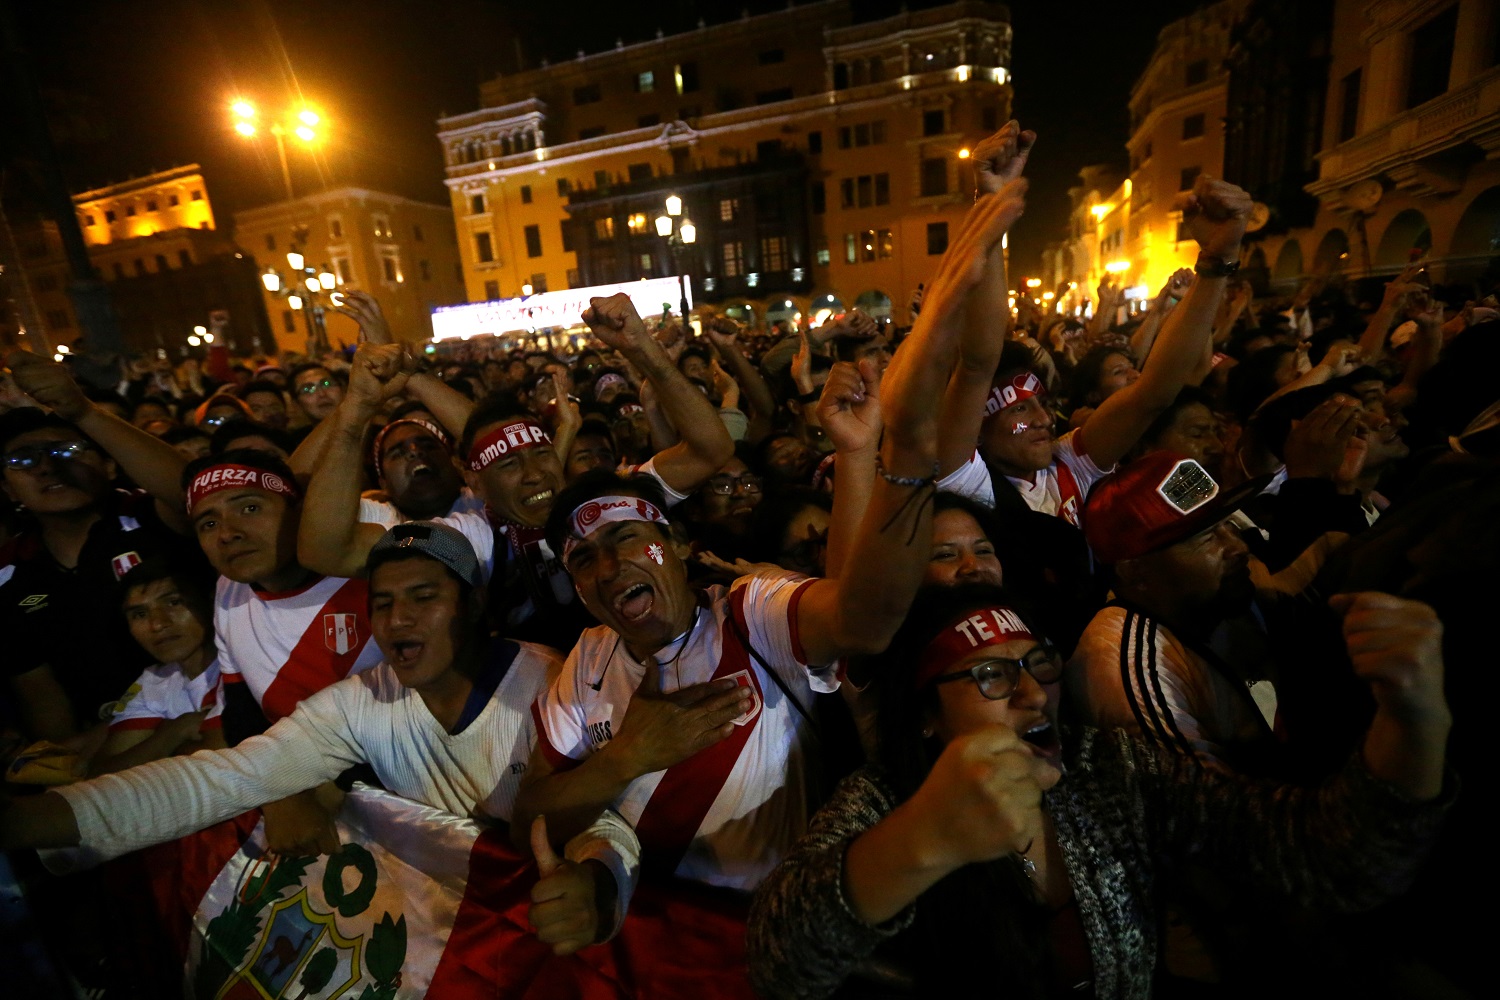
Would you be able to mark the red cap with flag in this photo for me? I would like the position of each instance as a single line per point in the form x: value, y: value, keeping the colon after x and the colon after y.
x: 1156, y: 502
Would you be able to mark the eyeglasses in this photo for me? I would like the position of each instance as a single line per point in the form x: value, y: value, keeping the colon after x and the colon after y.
x: 218, y: 421
x: 312, y: 387
x: 28, y: 457
x: 724, y: 485
x: 997, y: 678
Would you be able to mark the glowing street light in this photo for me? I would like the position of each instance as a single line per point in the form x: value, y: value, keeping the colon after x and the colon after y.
x: 295, y: 261
x: 295, y: 301
x: 688, y: 231
x: 307, y: 117
x: 664, y: 222
x: 1117, y: 266
x: 1100, y: 211
x: 193, y: 340
x: 299, y: 124
x: 305, y: 134
x: 328, y: 280
x: 1033, y: 282
x: 963, y: 154
x: 313, y: 284
x: 272, y: 281
x: 674, y: 208
x: 243, y: 108
x: 526, y: 289
x: 200, y: 330
x: 64, y: 349
x: 246, y: 129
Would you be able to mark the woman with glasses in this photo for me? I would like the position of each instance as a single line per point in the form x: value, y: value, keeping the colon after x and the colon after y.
x: 721, y: 512
x: 983, y: 846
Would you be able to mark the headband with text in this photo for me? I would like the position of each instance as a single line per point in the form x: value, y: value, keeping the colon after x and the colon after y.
x: 990, y: 627
x: 233, y: 477
x: 1009, y: 393
x: 517, y: 435
x: 591, y: 516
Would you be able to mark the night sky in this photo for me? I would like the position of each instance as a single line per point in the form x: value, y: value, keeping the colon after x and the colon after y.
x: 142, y: 85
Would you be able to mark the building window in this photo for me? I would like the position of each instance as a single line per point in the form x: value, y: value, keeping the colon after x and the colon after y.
x: 270, y: 241
x: 343, y: 271
x: 865, y: 191
x: 173, y: 201
x: 645, y: 82
x: 937, y: 238
x: 862, y: 134
x: 197, y: 195
x: 846, y: 193
x: 818, y: 198
x: 383, y: 225
x: 769, y: 57
x: 109, y: 215
x: 1189, y: 178
x: 989, y: 119
x: 636, y: 223
x: 932, y: 122
x: 533, y: 241
x: 846, y: 137
x: 639, y: 172
x: 567, y: 236
x: 288, y: 321
x: 885, y: 244
x: 587, y: 94
x: 867, y: 245
x: 1431, y: 57
x: 491, y: 291
x: 129, y: 211
x: 814, y: 145
x: 335, y: 227
x: 538, y: 284
x: 773, y: 253
x: 734, y: 259
x: 425, y: 269
x: 391, y: 268
x: 416, y: 233
x: 729, y: 209
x: 150, y: 204
x: 823, y: 257
x: 484, y: 248
x: 1349, y: 106
x: 119, y: 269
x: 934, y: 177
x: 476, y: 207
x: 575, y: 279
x: 882, y: 189
x: 185, y: 258
x: 1192, y: 126
x: 590, y: 133
x: 601, y: 178
x: 88, y: 220
x: 840, y: 76
x: 646, y: 265
x: 685, y: 75
x: 851, y: 248
x: 773, y: 96
x: 1197, y: 72
x: 646, y: 121
x: 604, y: 228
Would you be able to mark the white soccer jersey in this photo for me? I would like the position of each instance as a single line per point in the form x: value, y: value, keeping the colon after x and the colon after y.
x: 384, y: 513
x: 1054, y: 491
x: 728, y: 814
x: 164, y: 692
x: 286, y: 646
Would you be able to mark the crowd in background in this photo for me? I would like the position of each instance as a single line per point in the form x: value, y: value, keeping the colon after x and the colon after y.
x: 1111, y: 655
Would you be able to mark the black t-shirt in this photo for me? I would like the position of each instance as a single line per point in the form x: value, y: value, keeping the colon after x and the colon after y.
x: 70, y: 619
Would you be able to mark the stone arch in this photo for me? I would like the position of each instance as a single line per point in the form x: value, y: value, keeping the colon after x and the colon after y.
x: 875, y: 303
x: 1408, y: 231
x: 1332, y: 248
x: 779, y: 309
x: 1288, y: 262
x: 1478, y: 231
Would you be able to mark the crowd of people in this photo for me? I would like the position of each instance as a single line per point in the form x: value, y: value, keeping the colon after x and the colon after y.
x: 1110, y: 655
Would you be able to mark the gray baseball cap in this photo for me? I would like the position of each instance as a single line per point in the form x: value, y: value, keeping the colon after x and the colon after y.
x: 435, y: 541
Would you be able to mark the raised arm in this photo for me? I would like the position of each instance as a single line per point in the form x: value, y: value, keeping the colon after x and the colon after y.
x: 704, y: 444
x: 1172, y: 292
x: 1215, y: 213
x: 1372, y: 341
x: 860, y: 611
x: 722, y: 334
x: 155, y: 465
x: 998, y: 162
x: 331, y: 539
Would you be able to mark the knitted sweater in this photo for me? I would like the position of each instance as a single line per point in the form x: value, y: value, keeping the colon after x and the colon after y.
x: 1121, y: 809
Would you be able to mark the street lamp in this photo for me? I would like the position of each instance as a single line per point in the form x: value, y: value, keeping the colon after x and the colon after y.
x: 303, y: 289
x: 686, y: 234
x: 303, y: 125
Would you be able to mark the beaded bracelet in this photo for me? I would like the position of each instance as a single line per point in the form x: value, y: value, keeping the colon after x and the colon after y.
x: 906, y: 480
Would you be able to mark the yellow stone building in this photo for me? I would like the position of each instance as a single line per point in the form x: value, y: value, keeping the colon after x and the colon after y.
x: 403, y: 252
x: 821, y: 161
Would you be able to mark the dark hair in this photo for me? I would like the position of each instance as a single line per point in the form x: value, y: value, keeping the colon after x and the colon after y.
x: 409, y: 407
x: 1187, y: 396
x: 165, y: 404
x: 238, y: 428
x: 597, y: 483
x: 1083, y: 386
x: 191, y: 582
x: 694, y: 351
x: 994, y: 898
x: 776, y: 510
x: 493, y: 409
x: 845, y: 347
x: 263, y: 385
x: 25, y: 419
x: 252, y: 457
x: 1015, y: 358
x: 306, y: 366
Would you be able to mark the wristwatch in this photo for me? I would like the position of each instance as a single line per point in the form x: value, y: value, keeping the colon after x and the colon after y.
x: 1212, y: 266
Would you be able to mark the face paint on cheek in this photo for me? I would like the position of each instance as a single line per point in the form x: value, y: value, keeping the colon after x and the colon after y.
x: 1021, y: 427
x: 657, y: 553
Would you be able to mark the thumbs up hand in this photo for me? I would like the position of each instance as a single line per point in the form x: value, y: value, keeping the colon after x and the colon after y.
x: 563, y: 907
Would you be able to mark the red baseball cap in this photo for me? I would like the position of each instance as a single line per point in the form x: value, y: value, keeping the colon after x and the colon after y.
x: 1156, y: 502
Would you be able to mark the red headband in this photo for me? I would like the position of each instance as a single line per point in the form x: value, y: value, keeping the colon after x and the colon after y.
x: 596, y: 513
x: 230, y: 477
x: 426, y: 425
x: 989, y: 627
x: 1019, y: 387
x: 517, y: 435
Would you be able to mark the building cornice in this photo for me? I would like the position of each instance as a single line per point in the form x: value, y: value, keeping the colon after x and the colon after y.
x: 123, y: 188
x: 323, y: 198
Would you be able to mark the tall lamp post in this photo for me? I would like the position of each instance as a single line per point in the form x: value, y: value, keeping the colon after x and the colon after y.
x: 303, y: 124
x: 679, y: 232
x: 304, y: 289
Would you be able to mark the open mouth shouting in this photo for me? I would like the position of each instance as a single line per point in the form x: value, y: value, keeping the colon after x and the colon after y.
x: 635, y: 603
x: 406, y: 652
x: 1043, y: 737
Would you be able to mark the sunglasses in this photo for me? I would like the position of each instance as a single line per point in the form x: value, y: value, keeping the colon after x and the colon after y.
x: 28, y: 457
x: 997, y: 678
x: 312, y: 387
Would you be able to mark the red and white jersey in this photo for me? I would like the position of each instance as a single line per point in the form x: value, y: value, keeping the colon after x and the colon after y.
x: 728, y: 814
x: 289, y: 645
x: 1060, y: 489
x: 164, y: 692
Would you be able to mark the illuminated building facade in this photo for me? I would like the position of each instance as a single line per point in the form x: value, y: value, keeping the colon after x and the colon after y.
x: 821, y: 161
x: 403, y: 252
x: 154, y: 241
